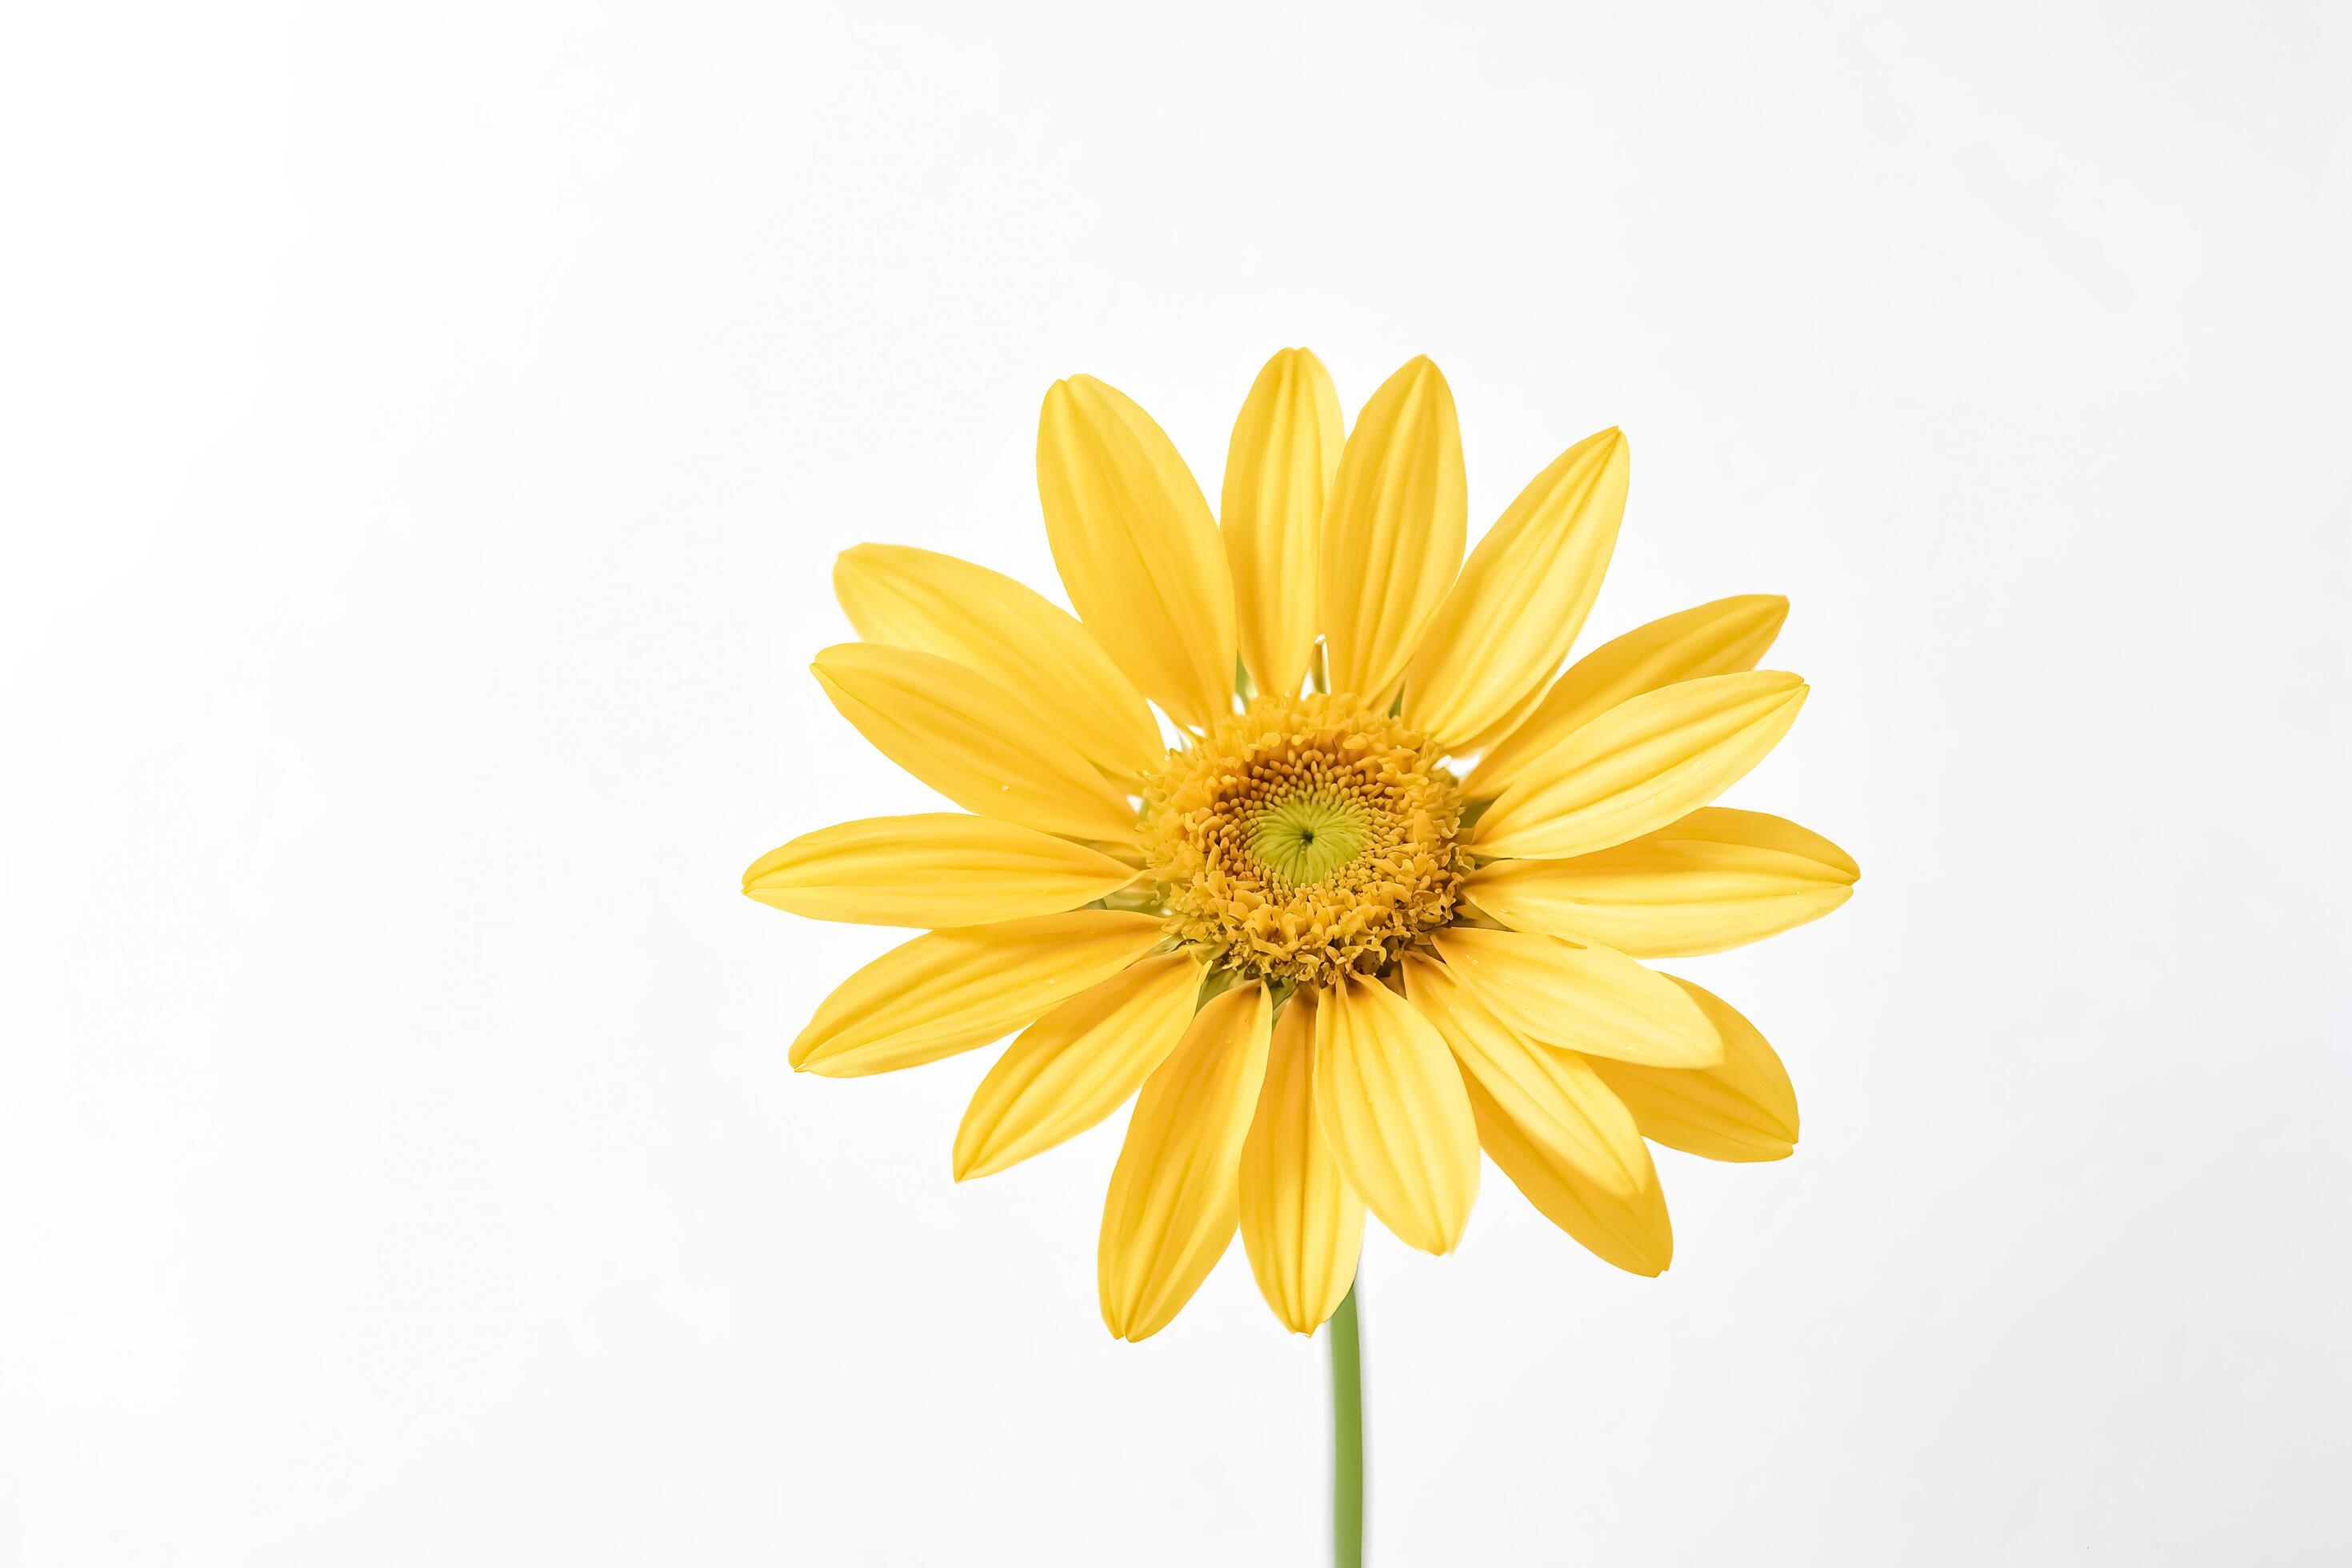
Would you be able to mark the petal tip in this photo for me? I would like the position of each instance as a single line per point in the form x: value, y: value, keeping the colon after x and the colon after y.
x: 1124, y: 1331
x: 971, y: 1163
x: 1422, y: 371
x: 832, y: 656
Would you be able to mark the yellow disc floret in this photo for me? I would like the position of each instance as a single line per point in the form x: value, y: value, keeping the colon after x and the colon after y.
x: 1304, y: 838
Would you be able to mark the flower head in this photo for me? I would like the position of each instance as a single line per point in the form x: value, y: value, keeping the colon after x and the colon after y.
x: 1383, y: 904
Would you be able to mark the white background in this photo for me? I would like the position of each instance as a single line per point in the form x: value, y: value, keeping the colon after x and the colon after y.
x: 428, y: 429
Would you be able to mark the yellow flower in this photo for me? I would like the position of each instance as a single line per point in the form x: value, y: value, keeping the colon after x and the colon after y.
x: 1383, y: 904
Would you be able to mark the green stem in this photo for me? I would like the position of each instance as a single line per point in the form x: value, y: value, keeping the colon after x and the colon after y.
x: 1347, y: 1434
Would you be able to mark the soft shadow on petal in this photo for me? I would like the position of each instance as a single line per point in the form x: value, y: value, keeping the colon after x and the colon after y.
x: 951, y: 991
x: 1174, y: 1194
x: 936, y: 868
x: 1644, y: 762
x: 1511, y: 618
x: 1390, y: 1104
x: 1137, y: 549
x: 1078, y: 1063
x: 1392, y: 531
x: 1718, y: 639
x: 972, y: 740
x: 1554, y: 1097
x: 1284, y: 449
x: 1301, y: 1222
x: 1715, y: 880
x: 1743, y: 1109
x: 1630, y: 1230
x: 1580, y: 996
x: 1008, y: 632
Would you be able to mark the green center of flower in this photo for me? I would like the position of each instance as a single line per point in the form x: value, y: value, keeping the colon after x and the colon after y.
x: 1306, y: 838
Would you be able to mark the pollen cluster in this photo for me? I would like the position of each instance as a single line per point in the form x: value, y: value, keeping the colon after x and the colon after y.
x: 1304, y: 838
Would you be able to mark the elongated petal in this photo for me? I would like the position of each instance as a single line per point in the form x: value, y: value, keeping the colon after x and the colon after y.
x: 1284, y: 449
x: 939, y: 868
x: 1137, y: 548
x: 1392, y: 530
x: 1301, y: 1222
x: 1175, y: 1191
x: 1644, y: 762
x: 951, y: 991
x: 972, y: 740
x: 1389, y: 1102
x: 1510, y: 620
x: 1581, y: 997
x: 1008, y: 632
x: 1629, y: 1230
x: 1714, y: 880
x: 1745, y: 1109
x: 1718, y: 639
x: 1553, y: 1097
x: 1078, y: 1063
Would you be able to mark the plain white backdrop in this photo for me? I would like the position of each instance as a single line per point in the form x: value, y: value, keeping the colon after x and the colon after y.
x: 428, y: 430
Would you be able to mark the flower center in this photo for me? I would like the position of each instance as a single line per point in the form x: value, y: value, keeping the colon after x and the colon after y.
x: 1304, y: 838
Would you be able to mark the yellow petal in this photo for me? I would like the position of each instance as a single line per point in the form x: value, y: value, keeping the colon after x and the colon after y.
x: 972, y: 740
x: 1137, y: 548
x: 938, y: 868
x: 1715, y: 880
x: 1078, y: 1063
x: 1581, y: 997
x: 1718, y: 639
x: 951, y: 990
x: 1629, y: 1230
x: 1174, y: 1192
x: 1302, y: 1224
x: 1389, y: 1100
x: 1284, y: 449
x: 1503, y: 631
x: 1644, y: 762
x: 1745, y: 1109
x: 1554, y: 1097
x: 1392, y: 530
x: 1008, y: 632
